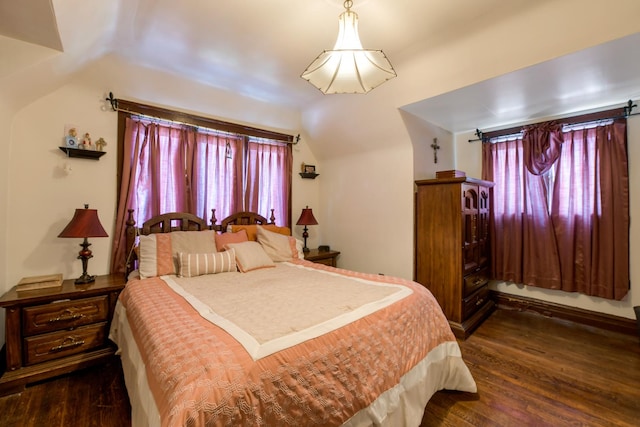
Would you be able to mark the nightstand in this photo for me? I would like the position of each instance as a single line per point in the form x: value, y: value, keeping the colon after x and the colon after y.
x: 51, y: 332
x: 322, y: 257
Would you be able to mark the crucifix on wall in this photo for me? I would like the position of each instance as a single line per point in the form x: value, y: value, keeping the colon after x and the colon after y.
x: 435, y: 147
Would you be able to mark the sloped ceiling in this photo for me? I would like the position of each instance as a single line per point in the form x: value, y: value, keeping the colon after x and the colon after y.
x: 32, y: 22
x: 259, y: 49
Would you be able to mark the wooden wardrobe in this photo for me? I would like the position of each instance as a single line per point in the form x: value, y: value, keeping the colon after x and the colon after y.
x: 452, y: 248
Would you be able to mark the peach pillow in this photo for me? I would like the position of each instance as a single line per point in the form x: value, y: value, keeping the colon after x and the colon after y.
x: 250, y: 256
x: 252, y: 230
x: 158, y: 252
x: 226, y: 238
x: 279, y: 247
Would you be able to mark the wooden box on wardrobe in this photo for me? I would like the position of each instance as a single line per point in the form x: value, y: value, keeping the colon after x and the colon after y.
x: 452, y: 248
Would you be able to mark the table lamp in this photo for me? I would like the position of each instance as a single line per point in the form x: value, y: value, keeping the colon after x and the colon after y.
x: 84, y: 224
x: 306, y: 218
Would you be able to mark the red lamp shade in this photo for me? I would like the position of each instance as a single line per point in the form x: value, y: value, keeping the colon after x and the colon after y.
x: 85, y: 223
x: 306, y: 218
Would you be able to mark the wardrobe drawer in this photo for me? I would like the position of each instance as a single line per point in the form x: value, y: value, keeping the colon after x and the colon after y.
x: 64, y: 315
x: 475, y: 280
x: 473, y: 303
x: 55, y: 345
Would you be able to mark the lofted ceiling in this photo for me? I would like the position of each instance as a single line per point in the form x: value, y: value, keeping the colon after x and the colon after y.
x: 259, y: 49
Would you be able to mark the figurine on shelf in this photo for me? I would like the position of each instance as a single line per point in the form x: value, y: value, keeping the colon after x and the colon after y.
x: 100, y: 144
x: 71, y: 138
x: 86, y: 142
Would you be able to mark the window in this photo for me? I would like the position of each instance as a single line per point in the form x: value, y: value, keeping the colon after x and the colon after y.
x: 560, y: 208
x: 169, y: 166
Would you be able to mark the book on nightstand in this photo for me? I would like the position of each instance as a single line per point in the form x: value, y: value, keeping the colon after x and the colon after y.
x: 34, y: 283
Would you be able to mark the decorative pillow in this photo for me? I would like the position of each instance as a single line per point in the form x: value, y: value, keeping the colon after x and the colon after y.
x: 225, y: 238
x: 250, y: 256
x: 300, y: 248
x: 279, y: 247
x: 191, y: 265
x: 158, y: 251
x: 252, y: 230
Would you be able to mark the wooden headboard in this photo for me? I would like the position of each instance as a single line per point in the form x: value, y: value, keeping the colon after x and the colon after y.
x: 182, y: 221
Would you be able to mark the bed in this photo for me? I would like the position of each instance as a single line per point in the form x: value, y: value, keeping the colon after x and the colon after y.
x: 226, y: 324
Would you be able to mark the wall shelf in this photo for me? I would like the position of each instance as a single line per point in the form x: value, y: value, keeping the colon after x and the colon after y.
x: 83, y: 154
x: 309, y: 175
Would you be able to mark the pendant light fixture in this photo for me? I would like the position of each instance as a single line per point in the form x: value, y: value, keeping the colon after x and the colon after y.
x: 349, y: 68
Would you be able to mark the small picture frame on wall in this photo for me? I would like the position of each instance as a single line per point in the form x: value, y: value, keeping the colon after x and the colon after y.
x: 309, y: 169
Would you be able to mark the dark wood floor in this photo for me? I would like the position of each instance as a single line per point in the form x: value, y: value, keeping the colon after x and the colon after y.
x: 530, y: 371
x: 535, y: 371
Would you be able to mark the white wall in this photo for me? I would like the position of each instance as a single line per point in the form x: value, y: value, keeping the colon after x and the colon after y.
x: 469, y: 159
x: 367, y: 210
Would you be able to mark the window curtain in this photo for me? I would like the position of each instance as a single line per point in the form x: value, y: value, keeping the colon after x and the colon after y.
x: 177, y: 168
x: 267, y: 167
x: 153, y: 178
x: 590, y: 211
x: 560, y: 209
x: 210, y: 168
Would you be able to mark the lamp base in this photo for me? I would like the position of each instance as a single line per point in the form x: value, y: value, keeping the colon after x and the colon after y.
x: 84, y: 279
x: 305, y: 249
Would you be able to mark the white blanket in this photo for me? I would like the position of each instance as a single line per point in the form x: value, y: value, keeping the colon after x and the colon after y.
x: 257, y: 308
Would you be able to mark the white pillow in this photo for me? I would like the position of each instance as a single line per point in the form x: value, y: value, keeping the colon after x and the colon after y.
x: 250, y: 256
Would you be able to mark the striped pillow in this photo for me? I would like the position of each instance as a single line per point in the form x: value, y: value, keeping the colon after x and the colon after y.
x: 191, y: 265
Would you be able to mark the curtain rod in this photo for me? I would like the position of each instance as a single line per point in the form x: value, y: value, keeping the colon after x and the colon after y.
x: 130, y: 107
x: 616, y: 113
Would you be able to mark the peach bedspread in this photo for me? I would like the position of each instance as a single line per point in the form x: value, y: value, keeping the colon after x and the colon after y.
x: 200, y: 375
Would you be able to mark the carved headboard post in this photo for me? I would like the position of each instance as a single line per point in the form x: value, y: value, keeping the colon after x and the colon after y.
x: 273, y: 217
x: 213, y: 220
x: 130, y: 241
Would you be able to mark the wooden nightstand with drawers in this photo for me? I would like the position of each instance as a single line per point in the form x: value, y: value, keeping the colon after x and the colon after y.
x: 51, y: 332
x: 322, y: 257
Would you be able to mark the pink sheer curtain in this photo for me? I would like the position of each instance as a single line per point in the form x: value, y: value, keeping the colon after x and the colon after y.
x: 578, y: 242
x: 153, y: 178
x: 133, y: 139
x: 216, y: 180
x: 268, y: 172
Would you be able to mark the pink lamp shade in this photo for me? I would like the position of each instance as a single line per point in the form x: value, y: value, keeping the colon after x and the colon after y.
x: 306, y: 218
x: 85, y: 223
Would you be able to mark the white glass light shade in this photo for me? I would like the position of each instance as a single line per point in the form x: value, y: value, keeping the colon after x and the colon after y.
x: 349, y: 68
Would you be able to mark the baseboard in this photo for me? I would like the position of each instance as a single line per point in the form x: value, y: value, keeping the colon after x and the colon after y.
x: 591, y: 318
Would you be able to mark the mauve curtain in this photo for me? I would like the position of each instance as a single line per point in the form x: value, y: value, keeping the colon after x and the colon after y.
x: 523, y: 242
x: 590, y: 211
x: 580, y: 242
x: 268, y: 172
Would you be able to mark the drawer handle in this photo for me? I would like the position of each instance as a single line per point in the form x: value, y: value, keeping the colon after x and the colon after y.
x: 480, y: 301
x: 69, y: 342
x: 68, y: 315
